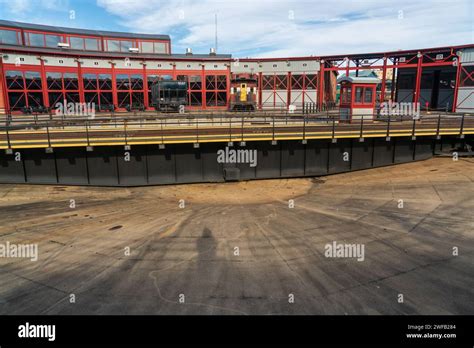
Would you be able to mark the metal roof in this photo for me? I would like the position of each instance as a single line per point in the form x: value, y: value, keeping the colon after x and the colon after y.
x: 63, y: 30
x: 354, y: 79
x: 112, y: 55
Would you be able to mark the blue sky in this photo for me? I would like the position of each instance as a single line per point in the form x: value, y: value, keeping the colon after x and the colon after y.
x: 266, y: 28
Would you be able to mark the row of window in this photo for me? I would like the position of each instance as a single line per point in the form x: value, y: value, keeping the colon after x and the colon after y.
x: 25, y: 89
x: 279, y: 82
x: 363, y: 95
x: 36, y: 39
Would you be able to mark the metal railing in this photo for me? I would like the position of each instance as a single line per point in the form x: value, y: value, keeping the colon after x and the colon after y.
x: 241, y: 127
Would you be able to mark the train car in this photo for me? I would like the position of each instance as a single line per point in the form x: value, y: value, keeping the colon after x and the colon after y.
x: 169, y: 95
x: 243, y: 94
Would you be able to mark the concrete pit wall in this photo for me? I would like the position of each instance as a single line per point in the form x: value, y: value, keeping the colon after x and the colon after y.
x: 182, y: 163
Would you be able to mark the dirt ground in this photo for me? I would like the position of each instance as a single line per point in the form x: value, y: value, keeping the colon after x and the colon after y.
x: 255, y: 247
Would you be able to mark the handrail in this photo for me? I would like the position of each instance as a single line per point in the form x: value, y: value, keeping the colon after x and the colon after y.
x: 160, y: 131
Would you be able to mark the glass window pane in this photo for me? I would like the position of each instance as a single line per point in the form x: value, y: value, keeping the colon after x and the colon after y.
x: 92, y: 44
x: 36, y: 39
x: 358, y: 96
x: 8, y: 37
x: 33, y: 80
x: 113, y: 46
x: 52, y: 40
x: 136, y: 81
x: 90, y: 81
x: 77, y: 43
x: 126, y: 45
x: 105, y: 82
x: 147, y: 47
x: 53, y: 80
x: 160, y: 47
x: 70, y: 81
x: 122, y: 82
x: 368, y: 95
x: 14, y: 79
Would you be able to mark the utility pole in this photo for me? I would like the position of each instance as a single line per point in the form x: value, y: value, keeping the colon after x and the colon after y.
x: 215, y: 23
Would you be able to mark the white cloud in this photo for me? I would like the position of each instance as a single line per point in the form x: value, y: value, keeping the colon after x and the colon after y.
x: 289, y: 28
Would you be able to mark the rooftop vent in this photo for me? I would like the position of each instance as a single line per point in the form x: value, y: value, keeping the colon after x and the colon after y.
x: 212, y: 52
x: 133, y: 49
x: 189, y: 51
x: 63, y: 45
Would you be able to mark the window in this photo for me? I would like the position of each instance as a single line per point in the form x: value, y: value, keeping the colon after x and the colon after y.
x: 216, y: 90
x: 36, y: 39
x: 52, y: 40
x: 368, y: 95
x: 91, y: 44
x: 147, y: 47
x: 358, y: 95
x: 62, y: 86
x: 76, y: 43
x: 24, y: 89
x: 113, y: 45
x: 130, y: 87
x: 125, y: 45
x: 98, y: 90
x: 118, y: 45
x: 8, y: 37
x: 160, y: 47
x: 467, y: 76
x: 346, y: 94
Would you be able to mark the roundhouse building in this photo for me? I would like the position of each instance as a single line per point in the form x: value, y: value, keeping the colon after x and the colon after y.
x: 41, y: 66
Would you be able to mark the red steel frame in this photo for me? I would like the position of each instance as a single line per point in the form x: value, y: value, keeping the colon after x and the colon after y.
x: 418, y: 59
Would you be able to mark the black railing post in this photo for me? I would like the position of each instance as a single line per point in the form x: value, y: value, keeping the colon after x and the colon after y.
x: 273, y: 129
x: 333, y: 127
x: 125, y: 131
x: 361, y: 127
x: 8, y: 136
x: 87, y: 134
x: 413, y: 128
x: 47, y: 132
x: 388, y: 126
x: 242, y: 130
x: 461, y: 129
x: 439, y: 123
x: 304, y: 127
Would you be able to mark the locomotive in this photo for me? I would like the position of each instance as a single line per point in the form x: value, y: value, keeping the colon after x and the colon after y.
x: 243, y: 93
x: 169, y: 95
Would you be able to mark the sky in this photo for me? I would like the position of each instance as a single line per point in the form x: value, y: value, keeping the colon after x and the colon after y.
x: 266, y: 28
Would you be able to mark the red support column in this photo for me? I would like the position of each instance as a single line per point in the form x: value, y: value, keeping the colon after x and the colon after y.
x: 228, y: 87
x: 203, y: 87
x: 44, y: 85
x: 260, y: 84
x: 80, y: 82
x: 288, y: 89
x: 3, y: 88
x: 114, y: 86
x: 321, y: 85
x: 456, y: 86
x: 384, y: 77
x: 416, y: 94
x: 145, y: 87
